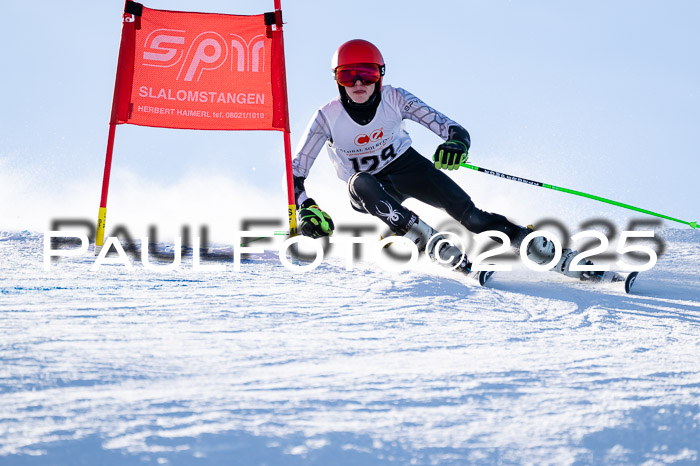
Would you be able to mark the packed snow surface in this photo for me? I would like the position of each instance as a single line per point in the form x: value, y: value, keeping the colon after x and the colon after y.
x: 264, y: 366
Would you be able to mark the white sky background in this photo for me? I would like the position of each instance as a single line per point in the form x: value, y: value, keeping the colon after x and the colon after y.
x: 597, y: 96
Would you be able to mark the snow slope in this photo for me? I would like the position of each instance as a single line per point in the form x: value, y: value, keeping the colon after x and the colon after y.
x: 262, y: 366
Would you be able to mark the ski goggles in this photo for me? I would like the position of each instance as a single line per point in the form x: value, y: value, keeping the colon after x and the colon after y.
x: 368, y: 73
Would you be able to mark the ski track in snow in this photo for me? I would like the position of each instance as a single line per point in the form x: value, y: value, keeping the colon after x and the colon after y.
x: 262, y: 366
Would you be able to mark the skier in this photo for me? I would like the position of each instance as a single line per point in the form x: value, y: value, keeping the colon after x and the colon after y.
x: 371, y: 150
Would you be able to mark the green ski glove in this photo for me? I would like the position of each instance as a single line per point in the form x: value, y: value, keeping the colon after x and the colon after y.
x: 314, y: 222
x: 450, y: 154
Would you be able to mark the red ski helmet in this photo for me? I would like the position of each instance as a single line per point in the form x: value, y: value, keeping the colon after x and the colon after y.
x: 358, y: 51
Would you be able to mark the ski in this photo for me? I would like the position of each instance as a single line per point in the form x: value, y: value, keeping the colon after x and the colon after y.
x: 484, y: 276
x: 630, y: 281
x: 481, y: 277
x: 612, y: 277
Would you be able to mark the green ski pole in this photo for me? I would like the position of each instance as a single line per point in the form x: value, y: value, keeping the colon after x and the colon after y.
x: 277, y: 233
x: 577, y: 193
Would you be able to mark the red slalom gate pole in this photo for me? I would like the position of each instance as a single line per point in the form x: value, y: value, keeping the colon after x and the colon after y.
x: 287, y: 137
x: 120, y: 103
x: 102, y: 215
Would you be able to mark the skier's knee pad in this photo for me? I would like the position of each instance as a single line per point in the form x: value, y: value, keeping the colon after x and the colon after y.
x: 363, y: 189
x: 362, y: 185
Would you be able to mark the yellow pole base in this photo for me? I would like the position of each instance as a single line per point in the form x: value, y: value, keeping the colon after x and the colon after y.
x: 100, y: 236
x: 292, y: 220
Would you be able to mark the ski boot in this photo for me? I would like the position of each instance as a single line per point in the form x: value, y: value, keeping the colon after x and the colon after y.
x: 427, y: 238
x: 541, y: 251
x: 442, y: 251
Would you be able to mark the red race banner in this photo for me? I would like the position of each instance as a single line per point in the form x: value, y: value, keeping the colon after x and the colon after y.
x: 199, y: 71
